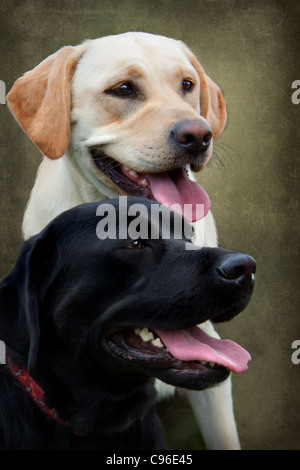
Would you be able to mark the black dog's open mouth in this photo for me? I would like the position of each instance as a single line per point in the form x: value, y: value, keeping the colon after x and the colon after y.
x: 190, y: 349
x: 167, y: 187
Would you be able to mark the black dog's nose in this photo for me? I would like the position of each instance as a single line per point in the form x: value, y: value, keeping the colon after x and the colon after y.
x: 238, y: 268
x: 194, y: 136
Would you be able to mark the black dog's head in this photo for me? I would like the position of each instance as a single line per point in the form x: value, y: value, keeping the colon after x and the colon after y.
x: 113, y: 314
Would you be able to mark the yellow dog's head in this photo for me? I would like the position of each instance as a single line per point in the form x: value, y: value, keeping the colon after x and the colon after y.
x: 135, y: 109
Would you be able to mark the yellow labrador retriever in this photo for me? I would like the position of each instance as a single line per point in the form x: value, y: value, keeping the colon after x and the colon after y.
x: 127, y: 114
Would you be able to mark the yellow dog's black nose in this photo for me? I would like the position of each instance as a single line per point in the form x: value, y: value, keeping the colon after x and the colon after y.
x: 194, y: 136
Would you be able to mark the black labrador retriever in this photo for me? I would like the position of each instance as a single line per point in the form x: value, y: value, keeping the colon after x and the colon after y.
x: 89, y: 323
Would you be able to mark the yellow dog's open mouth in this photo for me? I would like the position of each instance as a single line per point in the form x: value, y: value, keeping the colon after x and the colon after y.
x: 172, y: 188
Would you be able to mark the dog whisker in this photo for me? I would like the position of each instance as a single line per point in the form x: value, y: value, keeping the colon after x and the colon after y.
x: 76, y: 356
x: 219, y: 158
x: 230, y: 151
x: 231, y: 148
x: 225, y: 153
x: 170, y: 311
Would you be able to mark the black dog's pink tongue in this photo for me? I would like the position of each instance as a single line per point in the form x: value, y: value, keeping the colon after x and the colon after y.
x: 193, y: 344
x: 174, y: 187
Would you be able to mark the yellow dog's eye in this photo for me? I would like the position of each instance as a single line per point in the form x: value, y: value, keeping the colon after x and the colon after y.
x: 125, y: 89
x: 187, y: 85
x: 137, y: 244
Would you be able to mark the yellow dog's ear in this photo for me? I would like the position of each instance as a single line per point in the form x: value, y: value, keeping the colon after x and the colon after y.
x: 212, y: 102
x: 213, y: 106
x: 41, y: 101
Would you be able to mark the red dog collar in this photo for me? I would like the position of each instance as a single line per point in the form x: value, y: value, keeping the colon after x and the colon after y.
x: 34, y: 390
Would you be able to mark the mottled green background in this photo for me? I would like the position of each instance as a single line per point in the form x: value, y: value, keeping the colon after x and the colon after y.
x: 252, y: 49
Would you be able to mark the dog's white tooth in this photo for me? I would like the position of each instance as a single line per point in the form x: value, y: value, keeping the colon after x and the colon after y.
x: 157, y: 342
x: 150, y: 336
x: 203, y: 363
x: 146, y: 335
x: 144, y: 182
x: 134, y: 173
x: 212, y: 364
x: 137, y: 330
x: 142, y: 332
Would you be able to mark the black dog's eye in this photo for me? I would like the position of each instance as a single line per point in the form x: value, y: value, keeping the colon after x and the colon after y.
x: 137, y: 244
x: 187, y: 85
x: 125, y: 89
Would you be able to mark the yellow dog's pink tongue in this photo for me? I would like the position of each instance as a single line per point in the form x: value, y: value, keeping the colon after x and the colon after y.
x: 174, y: 187
x: 193, y: 344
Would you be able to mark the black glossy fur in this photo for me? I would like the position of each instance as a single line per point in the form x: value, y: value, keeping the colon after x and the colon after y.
x: 68, y: 288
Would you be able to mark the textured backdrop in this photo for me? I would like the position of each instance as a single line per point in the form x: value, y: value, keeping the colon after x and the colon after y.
x: 251, y: 49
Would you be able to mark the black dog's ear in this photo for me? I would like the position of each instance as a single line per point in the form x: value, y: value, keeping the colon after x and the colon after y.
x: 22, y: 292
